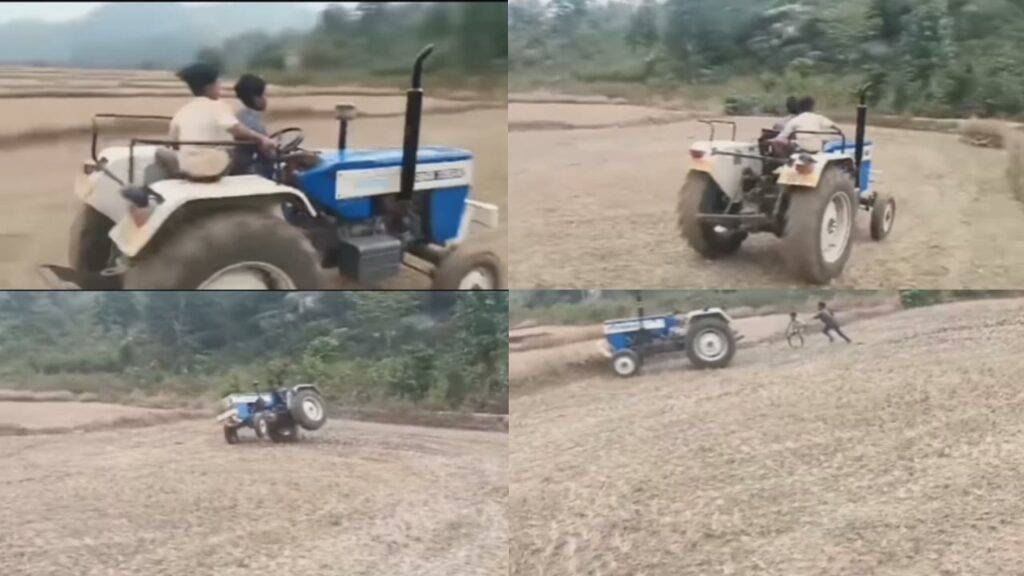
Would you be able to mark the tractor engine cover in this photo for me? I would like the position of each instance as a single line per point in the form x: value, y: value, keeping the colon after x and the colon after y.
x: 370, y: 259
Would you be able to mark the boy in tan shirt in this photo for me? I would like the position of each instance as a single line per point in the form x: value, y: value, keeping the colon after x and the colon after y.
x: 206, y: 118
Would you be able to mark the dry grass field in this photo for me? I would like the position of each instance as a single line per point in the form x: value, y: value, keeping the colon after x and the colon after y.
x: 898, y: 455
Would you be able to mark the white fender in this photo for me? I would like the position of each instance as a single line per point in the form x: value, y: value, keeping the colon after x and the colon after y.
x: 130, y: 238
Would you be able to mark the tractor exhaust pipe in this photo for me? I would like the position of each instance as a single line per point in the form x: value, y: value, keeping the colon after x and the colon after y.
x: 862, y: 123
x: 413, y: 113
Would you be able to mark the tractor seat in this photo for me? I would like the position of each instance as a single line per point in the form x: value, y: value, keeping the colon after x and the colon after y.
x: 194, y: 164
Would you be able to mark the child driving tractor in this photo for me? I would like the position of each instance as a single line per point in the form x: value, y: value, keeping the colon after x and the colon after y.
x: 251, y: 90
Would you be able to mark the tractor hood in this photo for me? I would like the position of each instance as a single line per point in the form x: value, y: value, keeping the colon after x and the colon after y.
x: 333, y: 161
x: 344, y: 181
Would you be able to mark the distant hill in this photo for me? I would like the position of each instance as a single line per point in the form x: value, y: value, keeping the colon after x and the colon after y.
x: 144, y: 34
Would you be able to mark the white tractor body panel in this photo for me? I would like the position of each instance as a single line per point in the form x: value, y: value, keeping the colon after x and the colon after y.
x: 716, y: 312
x: 104, y: 194
x: 726, y: 171
x: 131, y: 238
x: 789, y: 176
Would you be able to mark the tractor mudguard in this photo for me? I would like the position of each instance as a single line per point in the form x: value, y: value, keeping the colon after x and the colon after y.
x: 130, y: 238
x: 725, y: 171
x: 708, y: 312
x: 788, y: 175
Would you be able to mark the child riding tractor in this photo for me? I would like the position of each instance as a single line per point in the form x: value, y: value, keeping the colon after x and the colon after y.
x: 365, y: 213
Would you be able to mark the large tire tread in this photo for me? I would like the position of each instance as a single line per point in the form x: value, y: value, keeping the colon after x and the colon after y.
x: 90, y: 245
x: 300, y: 416
x: 194, y: 247
x: 802, y: 237
x: 697, y: 196
x: 699, y: 325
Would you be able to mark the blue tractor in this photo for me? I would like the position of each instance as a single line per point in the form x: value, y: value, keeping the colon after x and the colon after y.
x: 364, y: 213
x: 276, y: 415
x: 706, y: 336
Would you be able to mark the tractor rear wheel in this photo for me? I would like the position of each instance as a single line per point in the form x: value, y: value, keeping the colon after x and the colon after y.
x: 700, y: 195
x: 818, y: 236
x: 626, y: 363
x: 883, y: 215
x: 90, y: 246
x: 231, y: 434
x: 308, y: 410
x: 226, y: 250
x: 710, y: 343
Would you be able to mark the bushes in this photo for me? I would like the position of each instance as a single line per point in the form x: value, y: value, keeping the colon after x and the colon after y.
x: 87, y: 361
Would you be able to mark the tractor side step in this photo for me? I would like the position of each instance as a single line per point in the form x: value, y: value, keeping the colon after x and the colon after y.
x: 736, y: 220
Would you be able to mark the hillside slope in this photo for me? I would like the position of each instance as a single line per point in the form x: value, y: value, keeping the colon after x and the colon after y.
x: 901, y: 454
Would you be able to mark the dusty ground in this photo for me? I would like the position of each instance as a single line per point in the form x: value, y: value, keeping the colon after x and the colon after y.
x: 354, y: 498
x: 901, y: 454
x: 50, y: 415
x: 595, y: 207
x: 45, y: 141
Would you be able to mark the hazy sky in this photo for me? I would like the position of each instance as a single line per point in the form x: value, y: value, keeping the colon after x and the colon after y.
x: 58, y: 11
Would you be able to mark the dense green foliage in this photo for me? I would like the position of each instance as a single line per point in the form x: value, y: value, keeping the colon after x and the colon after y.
x: 440, y: 350
x: 925, y: 57
x: 919, y: 298
x: 379, y: 39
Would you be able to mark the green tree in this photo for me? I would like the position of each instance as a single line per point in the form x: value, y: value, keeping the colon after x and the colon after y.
x: 211, y: 56
x: 117, y: 310
x: 643, y: 27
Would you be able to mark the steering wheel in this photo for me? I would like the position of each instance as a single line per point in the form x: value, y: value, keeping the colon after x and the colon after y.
x: 289, y: 146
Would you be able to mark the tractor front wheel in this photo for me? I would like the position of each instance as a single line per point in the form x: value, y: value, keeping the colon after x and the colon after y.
x: 818, y: 236
x: 700, y: 195
x: 710, y: 343
x: 626, y: 363
x: 226, y: 250
x: 469, y: 271
x: 261, y: 424
x: 883, y: 215
x: 231, y: 434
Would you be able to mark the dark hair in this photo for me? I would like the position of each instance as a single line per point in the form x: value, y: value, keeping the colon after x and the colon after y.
x: 807, y: 104
x: 249, y: 87
x: 792, y: 314
x: 793, y: 105
x: 821, y: 304
x: 198, y: 77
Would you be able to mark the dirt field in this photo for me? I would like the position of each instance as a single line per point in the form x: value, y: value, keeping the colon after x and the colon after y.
x: 45, y: 140
x: 595, y: 186
x: 900, y: 454
x: 353, y: 498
